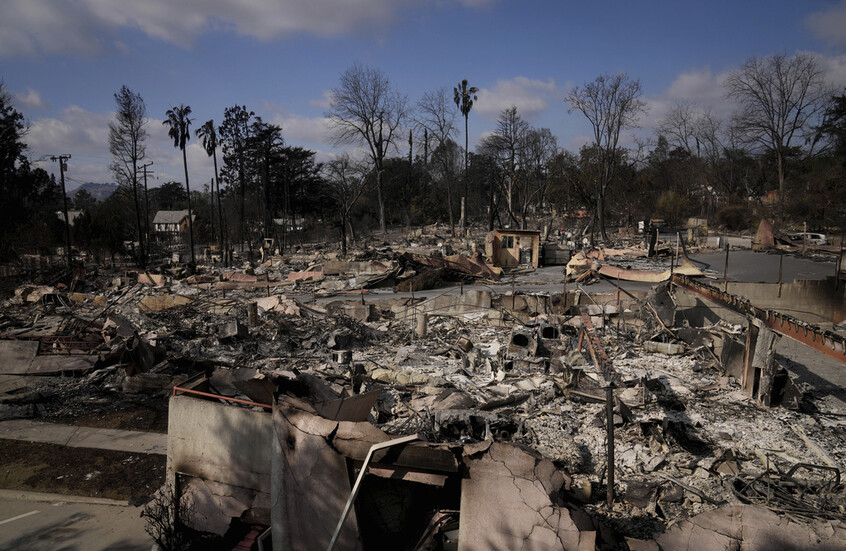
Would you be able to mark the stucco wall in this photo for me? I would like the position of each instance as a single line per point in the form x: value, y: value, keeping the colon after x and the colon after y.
x: 219, y: 442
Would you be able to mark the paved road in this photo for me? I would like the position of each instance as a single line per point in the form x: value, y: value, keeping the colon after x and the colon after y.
x: 57, y: 525
x: 760, y: 267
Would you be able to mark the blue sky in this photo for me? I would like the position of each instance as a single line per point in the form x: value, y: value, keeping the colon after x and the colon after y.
x: 64, y: 59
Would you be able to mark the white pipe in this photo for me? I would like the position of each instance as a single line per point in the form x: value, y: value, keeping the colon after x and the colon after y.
x: 361, y: 473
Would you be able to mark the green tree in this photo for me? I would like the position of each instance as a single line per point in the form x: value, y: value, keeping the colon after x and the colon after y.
x: 234, y: 135
x: 208, y: 134
x: 672, y: 207
x: 169, y: 196
x: 29, y: 198
x: 83, y: 200
x: 834, y: 125
x: 179, y: 123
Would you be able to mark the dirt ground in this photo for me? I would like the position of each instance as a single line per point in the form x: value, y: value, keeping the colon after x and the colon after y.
x: 149, y: 416
x: 79, y: 471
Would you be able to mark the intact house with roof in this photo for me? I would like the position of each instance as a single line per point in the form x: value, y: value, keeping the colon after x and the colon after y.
x: 169, y: 225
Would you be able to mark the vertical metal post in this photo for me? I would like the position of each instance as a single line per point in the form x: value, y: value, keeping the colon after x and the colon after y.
x: 780, y: 272
x: 609, y: 414
x: 512, y: 292
x: 618, y: 295
x: 678, y: 242
x: 804, y: 238
x: 413, y: 307
x: 726, y: 270
x: 146, y: 205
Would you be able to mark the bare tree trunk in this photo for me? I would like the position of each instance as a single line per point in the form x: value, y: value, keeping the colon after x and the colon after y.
x: 190, y: 221
x: 491, y: 204
x: 600, y: 215
x: 219, y: 211
x: 449, y: 207
x: 780, y: 166
x: 343, y: 232
x: 381, y: 200
x: 466, y: 160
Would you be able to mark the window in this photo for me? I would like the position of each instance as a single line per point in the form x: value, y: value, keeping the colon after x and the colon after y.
x: 507, y: 241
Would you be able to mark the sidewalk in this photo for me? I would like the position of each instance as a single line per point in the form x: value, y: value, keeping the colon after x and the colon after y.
x: 84, y: 437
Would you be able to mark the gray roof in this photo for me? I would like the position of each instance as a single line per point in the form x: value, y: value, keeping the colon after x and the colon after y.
x: 170, y: 216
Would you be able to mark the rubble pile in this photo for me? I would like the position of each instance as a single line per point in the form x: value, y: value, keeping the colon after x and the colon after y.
x: 489, y: 380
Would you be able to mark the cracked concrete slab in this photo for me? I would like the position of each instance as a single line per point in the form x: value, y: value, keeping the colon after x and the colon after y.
x: 508, y: 501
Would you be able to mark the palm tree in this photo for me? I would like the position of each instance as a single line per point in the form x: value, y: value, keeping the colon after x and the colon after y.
x: 208, y: 134
x: 179, y: 122
x: 464, y: 98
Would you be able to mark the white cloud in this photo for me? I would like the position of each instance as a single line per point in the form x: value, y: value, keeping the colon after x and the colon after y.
x: 84, y: 27
x: 323, y: 102
x: 476, y: 3
x: 30, y: 27
x: 85, y: 136
x: 530, y: 96
x: 829, y: 24
x: 297, y: 128
x: 576, y: 142
x: 834, y: 69
x: 73, y: 128
x: 698, y: 87
x: 31, y: 99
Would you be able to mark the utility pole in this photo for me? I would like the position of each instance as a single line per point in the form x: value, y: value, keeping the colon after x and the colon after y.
x: 63, y: 159
x: 146, y: 205
x: 211, y: 216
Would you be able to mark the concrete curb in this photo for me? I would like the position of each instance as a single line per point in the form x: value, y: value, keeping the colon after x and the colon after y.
x: 38, y: 496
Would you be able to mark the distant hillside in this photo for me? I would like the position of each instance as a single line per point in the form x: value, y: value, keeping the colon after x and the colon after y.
x: 98, y: 191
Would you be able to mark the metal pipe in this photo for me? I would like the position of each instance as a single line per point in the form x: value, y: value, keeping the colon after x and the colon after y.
x: 361, y: 473
x: 219, y: 397
x: 780, y: 272
x: 726, y: 270
x: 609, y: 413
x: 260, y: 539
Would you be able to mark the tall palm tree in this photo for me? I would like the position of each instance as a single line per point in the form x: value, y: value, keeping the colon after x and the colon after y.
x: 208, y: 134
x: 179, y: 123
x: 464, y: 98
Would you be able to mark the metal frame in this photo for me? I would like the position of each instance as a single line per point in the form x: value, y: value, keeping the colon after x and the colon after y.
x: 826, y: 342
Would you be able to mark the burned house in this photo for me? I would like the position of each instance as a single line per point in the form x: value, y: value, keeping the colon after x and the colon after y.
x: 511, y: 248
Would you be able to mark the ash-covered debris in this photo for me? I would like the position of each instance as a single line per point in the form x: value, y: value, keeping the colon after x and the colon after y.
x: 493, y: 379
